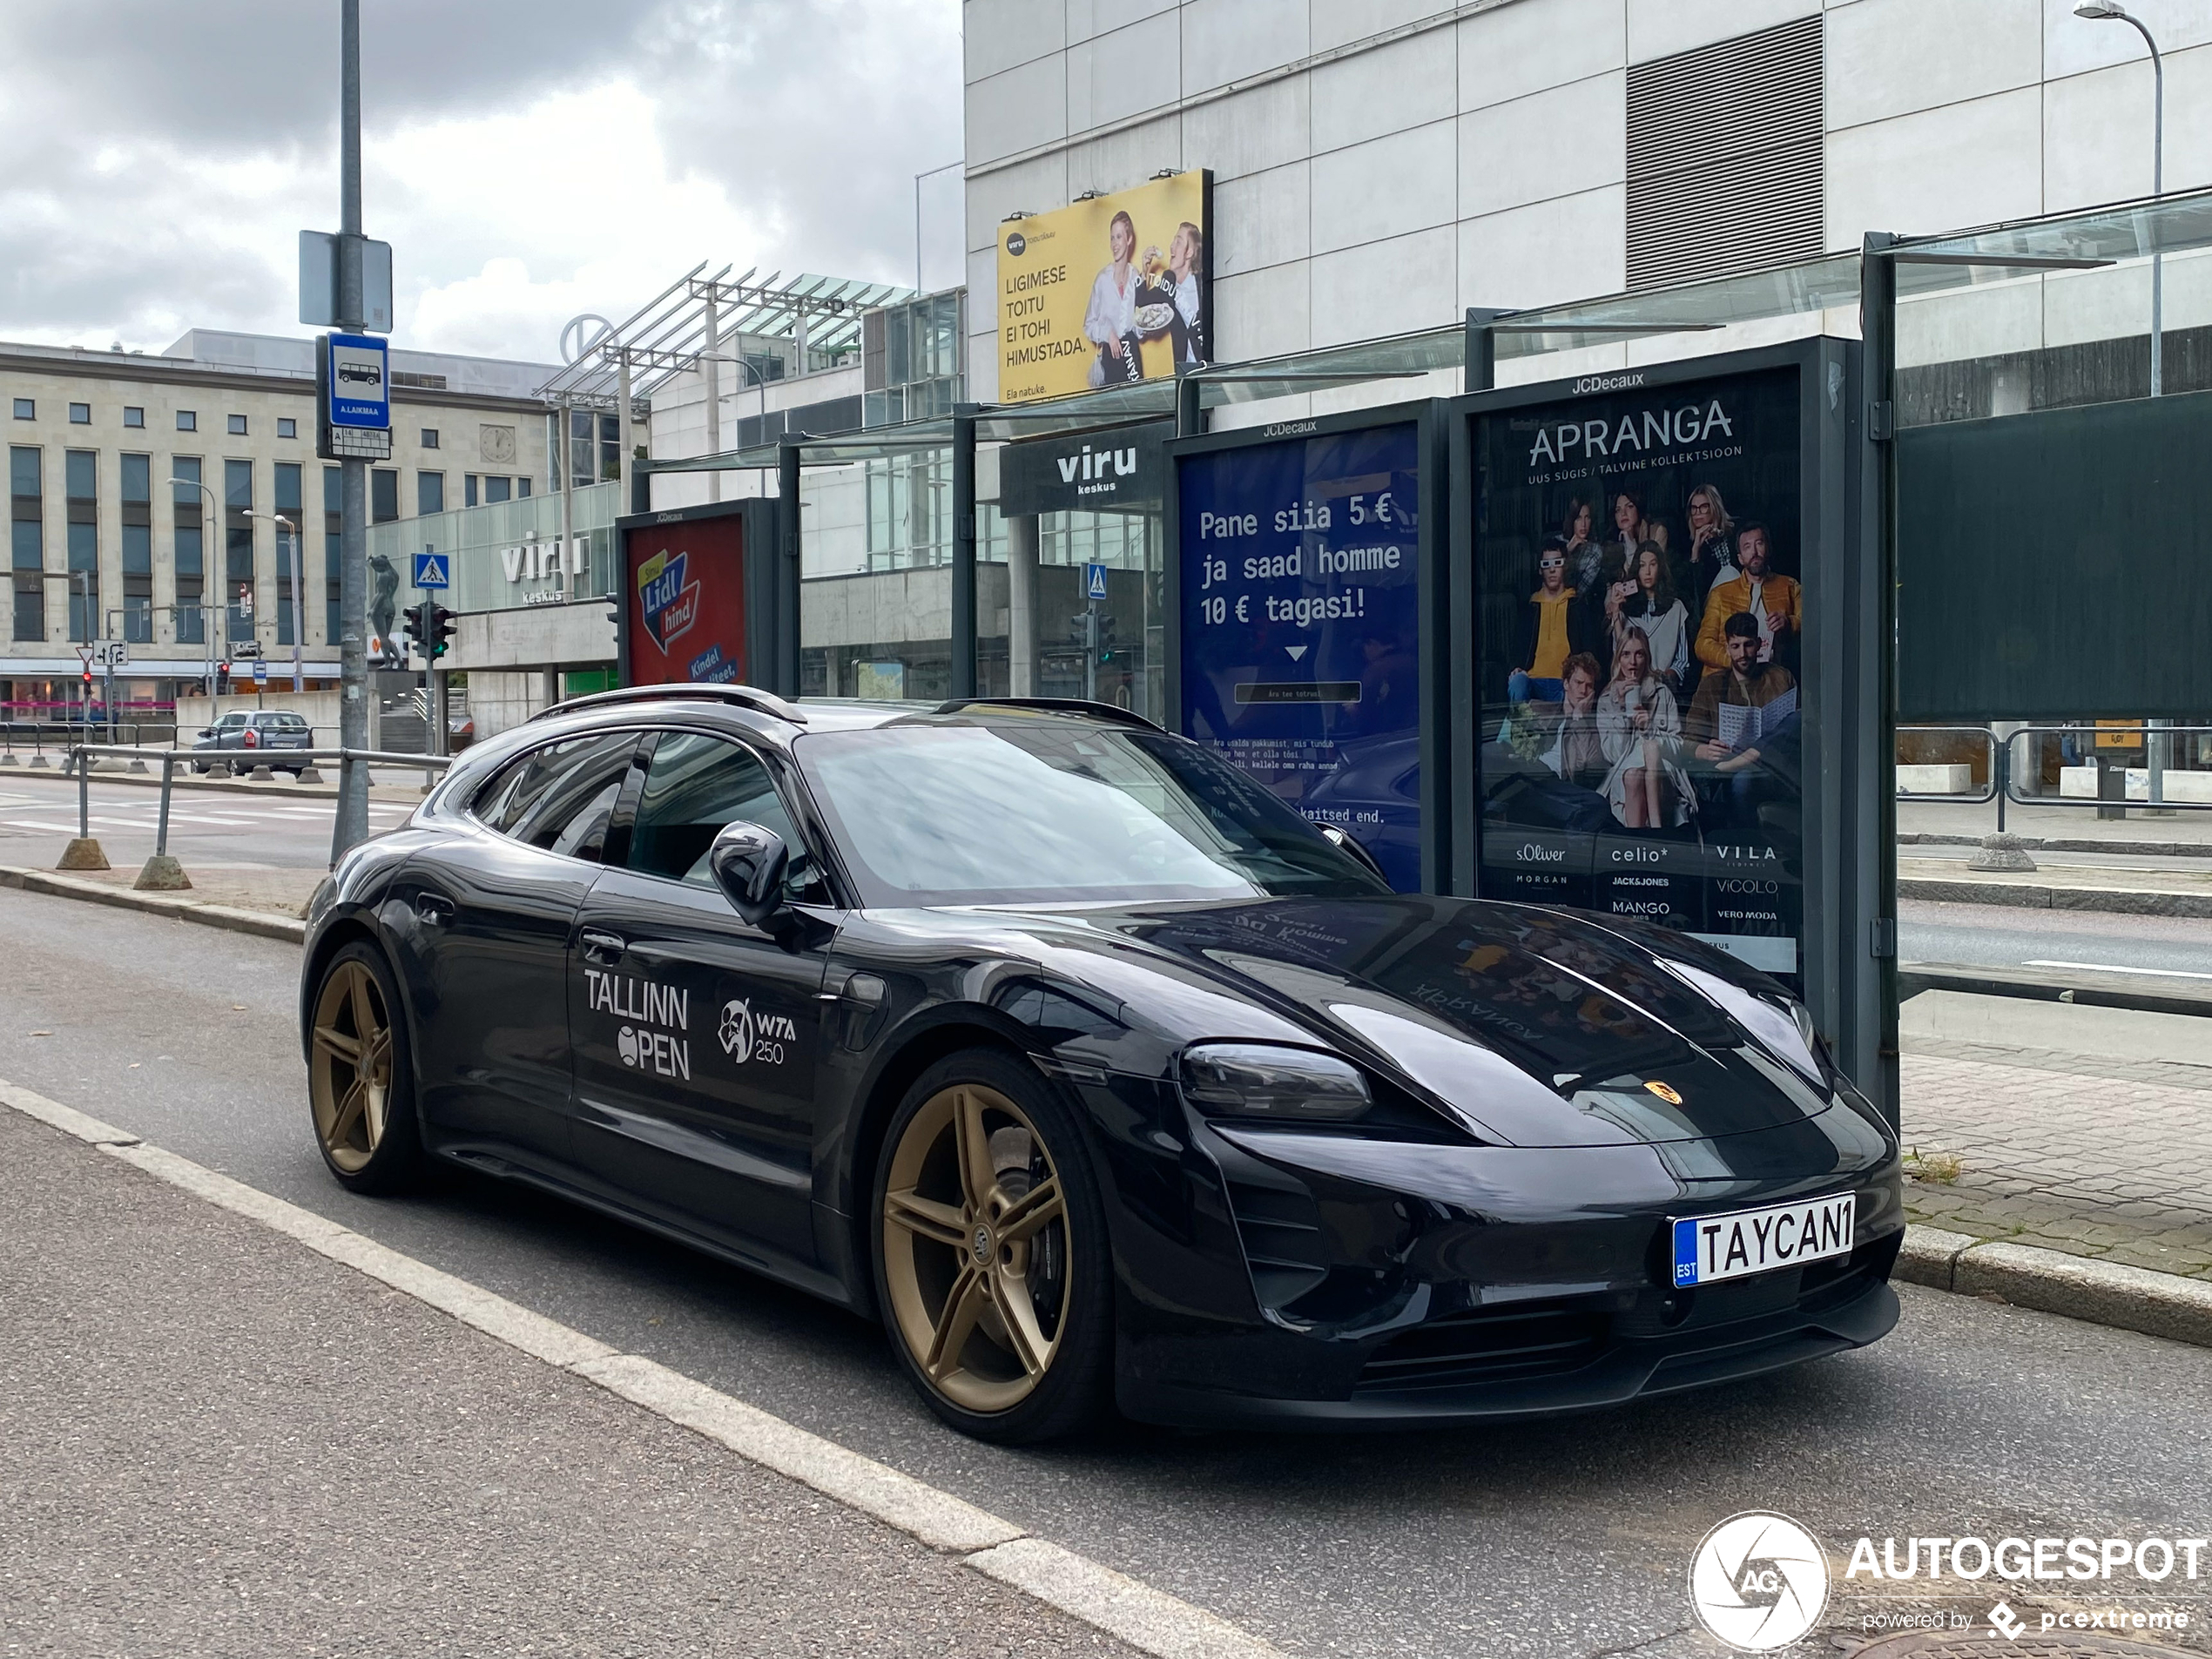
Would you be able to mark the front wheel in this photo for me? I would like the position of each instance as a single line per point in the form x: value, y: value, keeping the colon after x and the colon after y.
x: 991, y: 1257
x: 359, y: 1088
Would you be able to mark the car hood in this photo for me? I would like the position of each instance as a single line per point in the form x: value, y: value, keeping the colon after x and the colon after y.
x: 1532, y: 1026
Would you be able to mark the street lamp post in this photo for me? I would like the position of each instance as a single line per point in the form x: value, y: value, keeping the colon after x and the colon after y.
x: 2111, y: 11
x: 208, y: 613
x: 299, y: 676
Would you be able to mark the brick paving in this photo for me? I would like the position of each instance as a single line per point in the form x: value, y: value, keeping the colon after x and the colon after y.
x: 2093, y: 1155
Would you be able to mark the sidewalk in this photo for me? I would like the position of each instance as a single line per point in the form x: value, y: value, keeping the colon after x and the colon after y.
x: 222, y: 1443
x: 2096, y: 1154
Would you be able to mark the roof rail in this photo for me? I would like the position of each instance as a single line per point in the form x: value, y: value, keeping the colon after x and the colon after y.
x: 744, y: 696
x: 1058, y: 704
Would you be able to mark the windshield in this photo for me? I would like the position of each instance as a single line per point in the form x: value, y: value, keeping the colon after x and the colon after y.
x: 1044, y: 809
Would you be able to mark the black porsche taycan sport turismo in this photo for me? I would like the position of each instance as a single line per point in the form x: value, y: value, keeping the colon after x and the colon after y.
x: 1099, y: 1075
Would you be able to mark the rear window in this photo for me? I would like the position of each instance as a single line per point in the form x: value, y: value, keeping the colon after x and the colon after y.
x: 288, y: 722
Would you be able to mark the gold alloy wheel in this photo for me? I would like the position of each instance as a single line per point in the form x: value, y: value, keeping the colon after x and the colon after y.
x: 975, y: 1248
x: 349, y: 1079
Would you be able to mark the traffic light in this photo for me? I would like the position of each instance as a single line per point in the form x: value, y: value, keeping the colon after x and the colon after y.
x: 416, y: 634
x: 1105, y: 641
x: 442, y: 624
x: 222, y: 678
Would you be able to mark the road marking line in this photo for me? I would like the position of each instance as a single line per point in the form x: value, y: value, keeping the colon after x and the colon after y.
x: 2113, y: 968
x: 1148, y: 1620
x: 51, y: 829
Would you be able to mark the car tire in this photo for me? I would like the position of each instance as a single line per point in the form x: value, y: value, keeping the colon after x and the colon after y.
x: 1020, y: 1350
x: 361, y: 1075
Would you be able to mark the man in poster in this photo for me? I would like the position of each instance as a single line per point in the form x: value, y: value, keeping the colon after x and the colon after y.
x: 1776, y: 602
x: 1735, y: 714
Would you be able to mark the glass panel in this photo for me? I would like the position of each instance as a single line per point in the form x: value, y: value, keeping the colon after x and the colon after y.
x: 288, y: 488
x: 23, y: 473
x: 695, y: 786
x: 137, y: 479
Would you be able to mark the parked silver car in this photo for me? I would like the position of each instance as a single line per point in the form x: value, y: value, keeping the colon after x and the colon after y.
x: 259, y: 732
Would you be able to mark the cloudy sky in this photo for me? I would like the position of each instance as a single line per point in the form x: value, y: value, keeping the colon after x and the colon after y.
x: 528, y: 159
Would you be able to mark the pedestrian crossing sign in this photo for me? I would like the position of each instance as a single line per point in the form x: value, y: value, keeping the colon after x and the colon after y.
x: 430, y: 571
x: 1093, y: 582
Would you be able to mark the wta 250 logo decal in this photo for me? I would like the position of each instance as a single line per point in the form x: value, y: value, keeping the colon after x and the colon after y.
x: 746, y: 1036
x: 669, y: 604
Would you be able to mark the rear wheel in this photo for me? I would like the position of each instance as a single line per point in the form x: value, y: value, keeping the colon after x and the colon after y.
x: 990, y: 1252
x: 359, y: 1079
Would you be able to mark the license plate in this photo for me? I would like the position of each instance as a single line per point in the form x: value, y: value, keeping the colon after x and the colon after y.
x: 1711, y: 1248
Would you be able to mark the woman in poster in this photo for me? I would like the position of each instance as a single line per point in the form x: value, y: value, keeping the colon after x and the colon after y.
x: 1110, y: 320
x: 1173, y: 282
x: 1711, y: 534
x: 1640, y: 725
x: 1663, y: 618
x: 1583, y: 553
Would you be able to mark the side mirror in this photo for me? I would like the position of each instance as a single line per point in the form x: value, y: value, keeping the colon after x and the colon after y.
x: 207, y: 732
x: 748, y: 862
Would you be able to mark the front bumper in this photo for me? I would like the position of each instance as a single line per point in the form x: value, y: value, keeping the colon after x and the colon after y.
x: 1328, y: 1282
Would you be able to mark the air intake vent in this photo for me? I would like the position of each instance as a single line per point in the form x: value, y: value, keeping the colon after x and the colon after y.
x: 1491, y: 1344
x: 1725, y: 157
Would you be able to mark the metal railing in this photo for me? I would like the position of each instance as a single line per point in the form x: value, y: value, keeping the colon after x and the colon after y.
x: 169, y: 757
x: 2005, y: 766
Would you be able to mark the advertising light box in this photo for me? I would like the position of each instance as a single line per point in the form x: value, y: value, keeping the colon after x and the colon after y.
x: 683, y: 601
x: 1642, y: 681
x: 1107, y: 292
x: 1299, y: 580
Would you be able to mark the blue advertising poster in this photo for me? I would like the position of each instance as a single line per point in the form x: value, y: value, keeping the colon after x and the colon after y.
x: 1300, y: 589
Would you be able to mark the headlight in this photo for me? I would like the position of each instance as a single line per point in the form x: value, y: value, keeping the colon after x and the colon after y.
x: 1261, y: 1080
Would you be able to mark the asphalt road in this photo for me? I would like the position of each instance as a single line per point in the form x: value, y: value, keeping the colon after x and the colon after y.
x: 1998, y: 935
x: 1568, y: 1538
x: 208, y: 829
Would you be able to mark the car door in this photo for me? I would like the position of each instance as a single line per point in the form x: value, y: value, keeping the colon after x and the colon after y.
x: 694, y: 1035
x: 493, y: 909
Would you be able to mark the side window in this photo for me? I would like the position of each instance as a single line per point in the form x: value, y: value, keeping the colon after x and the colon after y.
x: 694, y: 785
x: 561, y: 797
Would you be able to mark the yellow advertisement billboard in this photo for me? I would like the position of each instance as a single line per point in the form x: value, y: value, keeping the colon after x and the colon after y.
x: 1106, y: 292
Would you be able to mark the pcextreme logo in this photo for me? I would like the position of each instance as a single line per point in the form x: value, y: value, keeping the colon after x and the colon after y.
x: 1759, y: 1582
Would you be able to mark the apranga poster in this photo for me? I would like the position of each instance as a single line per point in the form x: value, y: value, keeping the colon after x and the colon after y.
x: 1107, y: 292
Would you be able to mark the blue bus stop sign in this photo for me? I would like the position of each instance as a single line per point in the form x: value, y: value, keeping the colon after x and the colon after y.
x: 360, y: 394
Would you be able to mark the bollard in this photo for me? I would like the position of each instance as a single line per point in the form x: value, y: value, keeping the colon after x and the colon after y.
x: 161, y: 872
x: 261, y: 774
x: 309, y: 774
x: 83, y: 853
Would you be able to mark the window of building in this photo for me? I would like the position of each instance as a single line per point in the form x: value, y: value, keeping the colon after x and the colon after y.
x: 429, y: 492
x: 190, y: 559
x: 521, y: 488
x: 187, y: 421
x: 81, y: 487
x: 383, y: 495
x: 286, y: 427
x: 137, y: 475
x: 332, y: 493
x: 80, y: 414
x: 236, y: 424
x: 26, y: 408
x: 1737, y: 122
x: 471, y: 488
x: 238, y: 549
x: 27, y: 532
x: 134, y: 415
x: 496, y: 489
x: 288, y: 547
x: 429, y: 437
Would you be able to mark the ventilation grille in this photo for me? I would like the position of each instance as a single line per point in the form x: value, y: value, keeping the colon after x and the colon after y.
x: 1725, y: 157
x: 1497, y: 1345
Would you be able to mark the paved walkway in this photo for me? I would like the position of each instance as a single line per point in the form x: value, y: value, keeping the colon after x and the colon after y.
x: 2089, y: 1154
x: 222, y: 1444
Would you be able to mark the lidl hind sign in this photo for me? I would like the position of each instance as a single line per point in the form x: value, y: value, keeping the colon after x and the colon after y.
x: 1108, y: 291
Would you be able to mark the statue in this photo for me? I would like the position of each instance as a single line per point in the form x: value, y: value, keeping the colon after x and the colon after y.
x: 381, y: 612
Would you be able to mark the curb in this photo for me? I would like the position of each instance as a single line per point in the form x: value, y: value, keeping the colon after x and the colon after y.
x: 2146, y: 993
x: 2027, y: 895
x: 2050, y: 1281
x: 259, y: 923
x: 2049, y: 844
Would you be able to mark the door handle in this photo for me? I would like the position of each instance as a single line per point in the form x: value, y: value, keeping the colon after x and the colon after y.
x: 433, y: 911
x: 603, y: 948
